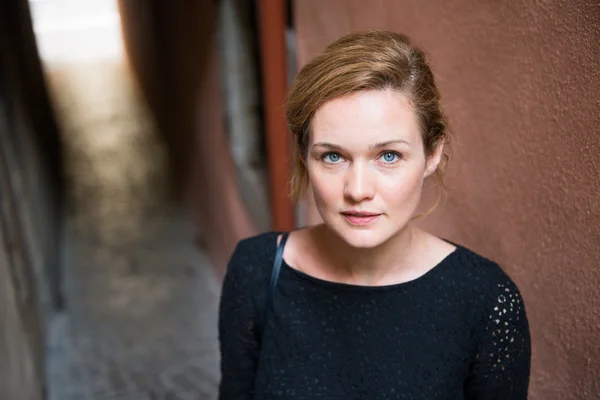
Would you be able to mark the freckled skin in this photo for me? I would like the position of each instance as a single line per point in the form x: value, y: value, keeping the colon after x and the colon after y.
x: 347, y: 171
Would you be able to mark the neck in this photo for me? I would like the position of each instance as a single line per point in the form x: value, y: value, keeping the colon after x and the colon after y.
x: 370, y: 266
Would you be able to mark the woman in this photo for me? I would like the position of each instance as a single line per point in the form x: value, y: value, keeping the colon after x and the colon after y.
x: 367, y: 306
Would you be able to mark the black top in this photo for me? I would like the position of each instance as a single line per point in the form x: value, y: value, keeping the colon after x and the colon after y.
x: 457, y: 332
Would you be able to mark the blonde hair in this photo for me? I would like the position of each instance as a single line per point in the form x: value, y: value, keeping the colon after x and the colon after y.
x: 370, y: 60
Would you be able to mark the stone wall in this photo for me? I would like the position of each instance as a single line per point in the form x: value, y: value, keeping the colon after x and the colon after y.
x: 30, y: 208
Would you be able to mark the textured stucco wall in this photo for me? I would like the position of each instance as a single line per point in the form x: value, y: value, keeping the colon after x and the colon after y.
x: 181, y: 80
x: 521, y: 85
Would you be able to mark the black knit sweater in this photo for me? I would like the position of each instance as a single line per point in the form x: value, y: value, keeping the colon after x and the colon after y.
x: 457, y: 332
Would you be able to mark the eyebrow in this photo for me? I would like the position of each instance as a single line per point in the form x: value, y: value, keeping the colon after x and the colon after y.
x: 372, y: 146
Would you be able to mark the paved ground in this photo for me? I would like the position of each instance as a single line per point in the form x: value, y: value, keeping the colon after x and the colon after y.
x: 141, y: 322
x: 142, y: 301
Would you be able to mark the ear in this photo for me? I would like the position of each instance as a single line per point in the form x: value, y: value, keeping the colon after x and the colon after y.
x: 434, y: 160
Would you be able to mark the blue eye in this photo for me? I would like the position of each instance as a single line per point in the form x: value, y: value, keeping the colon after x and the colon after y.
x: 390, y: 156
x: 332, y: 157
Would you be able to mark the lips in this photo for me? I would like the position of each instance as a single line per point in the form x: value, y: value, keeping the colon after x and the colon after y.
x: 360, y: 218
x: 359, y: 213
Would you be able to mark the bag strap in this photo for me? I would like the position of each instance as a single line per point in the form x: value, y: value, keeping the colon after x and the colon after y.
x: 274, y: 277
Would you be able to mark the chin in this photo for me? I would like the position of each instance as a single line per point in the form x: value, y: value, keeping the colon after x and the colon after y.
x: 362, y: 242
x: 361, y: 237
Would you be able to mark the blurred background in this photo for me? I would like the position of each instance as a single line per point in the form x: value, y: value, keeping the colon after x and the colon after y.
x: 141, y: 139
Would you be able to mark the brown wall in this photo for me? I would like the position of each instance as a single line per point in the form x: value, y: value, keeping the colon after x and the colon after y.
x: 172, y: 49
x: 521, y: 86
x: 167, y: 45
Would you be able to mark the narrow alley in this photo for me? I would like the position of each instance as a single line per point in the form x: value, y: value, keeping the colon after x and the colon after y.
x: 141, y: 300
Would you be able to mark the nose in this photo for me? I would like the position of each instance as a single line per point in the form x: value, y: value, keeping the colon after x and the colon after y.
x: 359, y: 184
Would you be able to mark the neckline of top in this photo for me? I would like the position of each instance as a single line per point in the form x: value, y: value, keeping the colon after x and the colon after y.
x: 341, y: 285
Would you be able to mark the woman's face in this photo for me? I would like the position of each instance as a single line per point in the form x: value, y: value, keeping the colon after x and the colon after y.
x: 366, y: 165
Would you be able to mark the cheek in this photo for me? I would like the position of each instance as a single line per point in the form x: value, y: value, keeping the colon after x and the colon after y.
x: 326, y: 188
x: 402, y: 189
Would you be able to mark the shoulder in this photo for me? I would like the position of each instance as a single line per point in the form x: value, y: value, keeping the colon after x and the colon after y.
x: 500, y: 322
x: 485, y: 280
x: 478, y: 269
x: 252, y: 258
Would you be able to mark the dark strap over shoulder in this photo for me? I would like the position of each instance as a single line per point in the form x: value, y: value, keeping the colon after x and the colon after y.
x: 274, y: 277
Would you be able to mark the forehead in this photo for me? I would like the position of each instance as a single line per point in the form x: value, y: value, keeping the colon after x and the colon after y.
x: 366, y: 117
